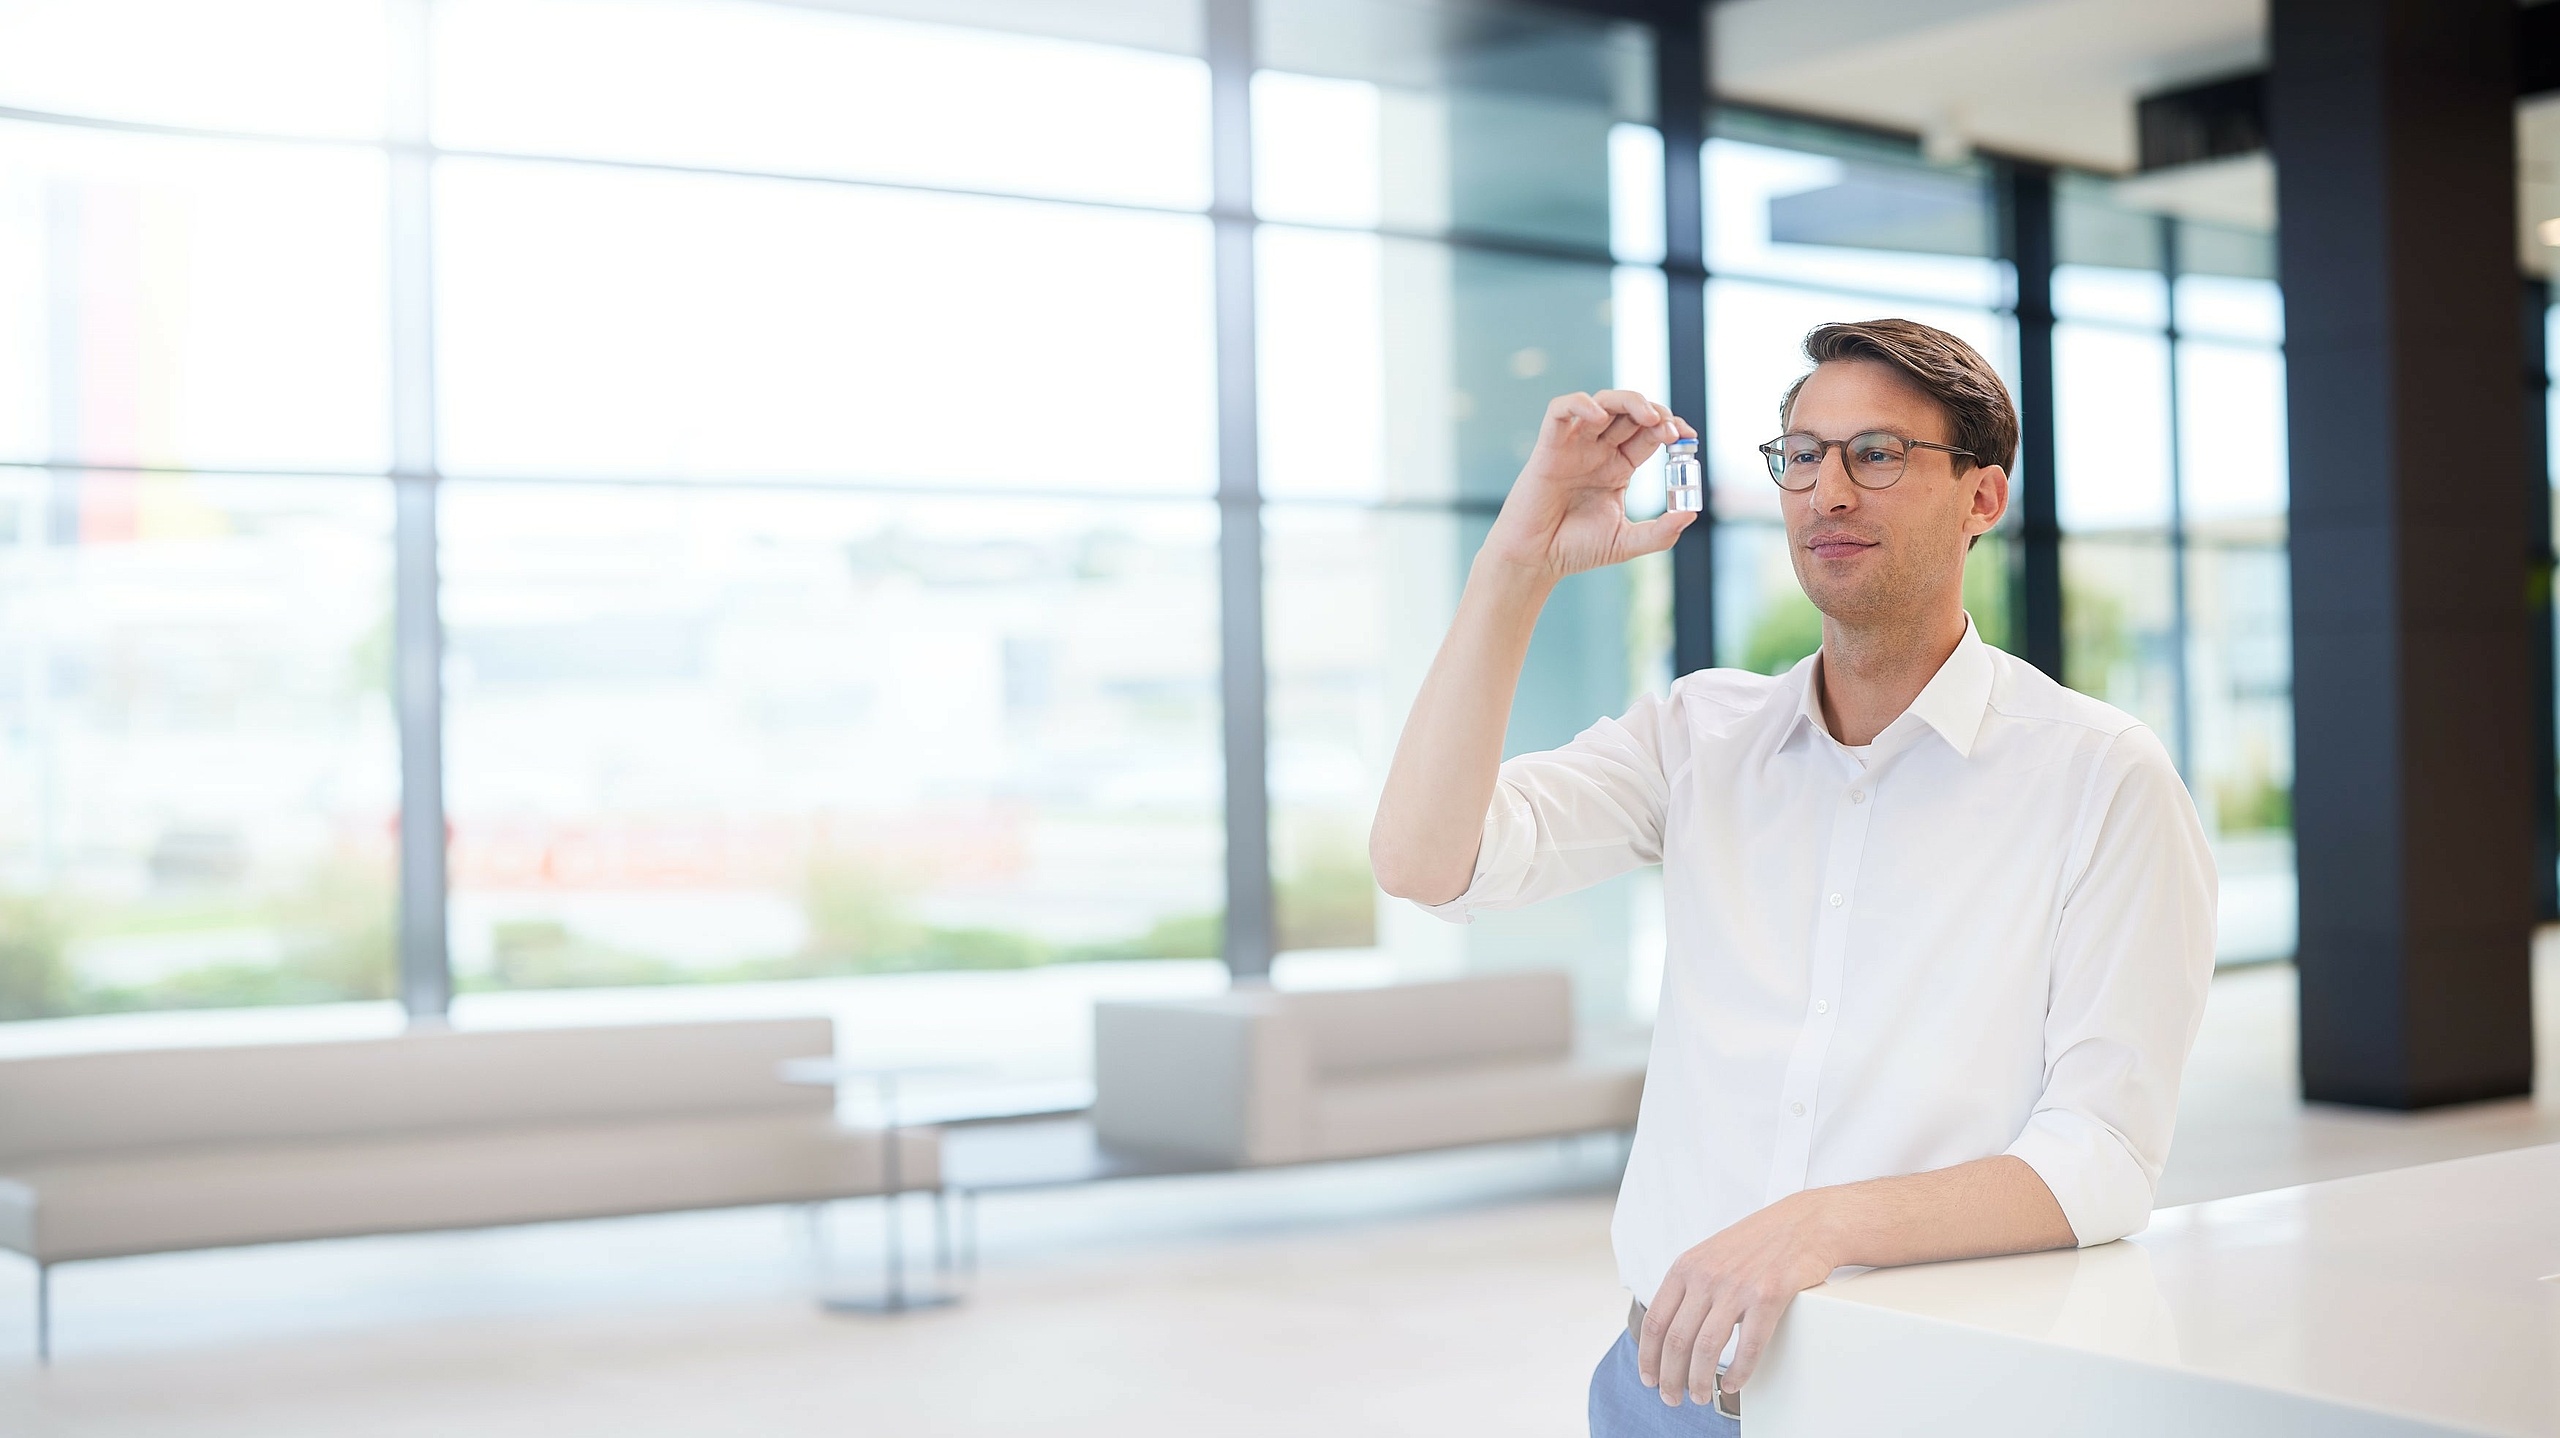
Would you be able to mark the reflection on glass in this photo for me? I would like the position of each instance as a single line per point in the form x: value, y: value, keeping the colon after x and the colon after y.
x: 595, y: 322
x: 2231, y: 437
x: 1317, y: 143
x: 814, y: 90
x: 2240, y: 749
x: 1755, y: 350
x: 1787, y: 202
x: 1322, y: 327
x: 1639, y: 307
x: 2223, y: 706
x: 1636, y: 233
x: 191, y: 302
x: 701, y: 735
x: 2102, y: 294
x: 1359, y: 602
x: 2111, y: 429
x: 1408, y: 369
x: 2094, y: 226
x: 2119, y: 627
x: 1763, y: 621
x: 2230, y: 307
x: 307, y: 67
x: 198, y: 768
x: 1493, y: 120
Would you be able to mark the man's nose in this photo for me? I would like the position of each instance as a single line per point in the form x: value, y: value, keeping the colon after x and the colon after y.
x: 1833, y: 490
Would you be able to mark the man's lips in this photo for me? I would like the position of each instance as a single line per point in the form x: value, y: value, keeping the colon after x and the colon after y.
x: 1837, y: 546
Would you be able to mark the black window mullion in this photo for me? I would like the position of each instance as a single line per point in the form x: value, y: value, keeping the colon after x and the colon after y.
x: 2026, y: 232
x: 1680, y: 53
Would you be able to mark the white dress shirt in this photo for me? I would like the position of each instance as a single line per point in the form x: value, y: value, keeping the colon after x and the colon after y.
x: 1993, y: 937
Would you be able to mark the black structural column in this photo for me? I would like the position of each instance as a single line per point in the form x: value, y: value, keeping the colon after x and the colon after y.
x: 2027, y: 233
x: 1250, y: 924
x: 2394, y: 131
x: 1680, y: 51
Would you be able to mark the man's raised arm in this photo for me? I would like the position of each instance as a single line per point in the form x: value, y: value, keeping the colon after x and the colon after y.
x: 1566, y: 513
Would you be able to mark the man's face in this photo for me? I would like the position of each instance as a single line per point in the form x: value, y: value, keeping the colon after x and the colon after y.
x: 1870, y: 556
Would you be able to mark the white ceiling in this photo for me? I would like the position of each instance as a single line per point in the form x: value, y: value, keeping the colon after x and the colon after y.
x: 2033, y: 78
x: 2054, y: 80
x: 2051, y: 79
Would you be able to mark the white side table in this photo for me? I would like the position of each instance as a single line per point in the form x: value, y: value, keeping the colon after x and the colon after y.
x: 895, y: 1296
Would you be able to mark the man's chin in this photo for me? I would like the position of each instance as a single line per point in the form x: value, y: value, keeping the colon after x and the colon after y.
x: 1855, y: 605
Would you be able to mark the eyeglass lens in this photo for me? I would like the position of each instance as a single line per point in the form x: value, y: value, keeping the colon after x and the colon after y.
x: 1874, y: 459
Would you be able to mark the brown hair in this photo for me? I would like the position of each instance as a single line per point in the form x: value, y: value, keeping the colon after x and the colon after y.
x: 1945, y: 368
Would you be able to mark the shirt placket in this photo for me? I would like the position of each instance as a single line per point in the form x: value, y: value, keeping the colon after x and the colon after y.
x: 1835, y: 909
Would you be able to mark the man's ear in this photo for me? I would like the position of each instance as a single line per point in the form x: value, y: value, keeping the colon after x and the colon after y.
x: 1990, y: 496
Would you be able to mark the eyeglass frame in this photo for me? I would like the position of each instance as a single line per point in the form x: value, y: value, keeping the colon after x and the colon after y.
x: 1770, y: 452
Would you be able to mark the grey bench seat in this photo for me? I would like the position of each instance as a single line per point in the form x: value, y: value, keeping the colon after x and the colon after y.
x: 114, y: 1154
x: 1257, y: 1076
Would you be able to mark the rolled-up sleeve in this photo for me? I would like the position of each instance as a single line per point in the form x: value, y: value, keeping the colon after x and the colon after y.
x: 1565, y: 819
x: 2132, y: 960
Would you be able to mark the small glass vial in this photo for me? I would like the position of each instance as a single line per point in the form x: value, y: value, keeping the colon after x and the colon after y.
x: 1681, y: 486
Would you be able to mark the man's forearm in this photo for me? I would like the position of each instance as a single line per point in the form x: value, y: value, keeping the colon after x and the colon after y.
x: 1422, y: 844
x: 1972, y: 1210
x: 1745, y: 1276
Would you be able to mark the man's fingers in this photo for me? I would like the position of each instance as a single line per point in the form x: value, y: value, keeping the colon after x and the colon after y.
x: 1621, y: 418
x: 1757, y: 1325
x: 1568, y: 410
x: 1660, y: 532
x: 1633, y: 405
x: 1679, y: 1339
x: 1657, y: 1318
x: 1639, y: 445
x: 1709, y: 1346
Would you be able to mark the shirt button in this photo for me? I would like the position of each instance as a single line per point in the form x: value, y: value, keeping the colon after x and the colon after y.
x: 1797, y: 1109
x: 1835, y: 901
x: 1822, y: 1006
x: 1857, y: 796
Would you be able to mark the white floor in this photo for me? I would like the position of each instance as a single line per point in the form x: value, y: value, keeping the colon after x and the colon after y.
x: 1461, y: 1293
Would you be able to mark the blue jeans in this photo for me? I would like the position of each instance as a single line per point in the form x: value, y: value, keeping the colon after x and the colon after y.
x: 1622, y: 1407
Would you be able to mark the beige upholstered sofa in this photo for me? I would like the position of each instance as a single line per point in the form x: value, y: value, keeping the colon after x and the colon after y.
x: 108, y: 1154
x: 1257, y: 1076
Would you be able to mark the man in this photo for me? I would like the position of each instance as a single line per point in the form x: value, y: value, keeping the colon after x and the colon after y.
x: 1939, y: 928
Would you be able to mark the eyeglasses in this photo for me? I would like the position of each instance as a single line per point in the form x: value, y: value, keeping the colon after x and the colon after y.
x: 1874, y: 459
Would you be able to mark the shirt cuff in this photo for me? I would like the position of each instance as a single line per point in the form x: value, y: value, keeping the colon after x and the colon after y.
x: 2103, y: 1192
x: 1502, y: 850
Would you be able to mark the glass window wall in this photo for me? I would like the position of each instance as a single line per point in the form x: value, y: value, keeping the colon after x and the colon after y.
x: 198, y: 770
x: 829, y: 556
x: 2169, y: 430
x: 770, y: 734
x: 601, y: 321
x: 1468, y: 234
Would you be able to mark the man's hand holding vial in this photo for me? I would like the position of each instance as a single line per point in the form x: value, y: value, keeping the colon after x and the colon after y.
x: 1568, y: 510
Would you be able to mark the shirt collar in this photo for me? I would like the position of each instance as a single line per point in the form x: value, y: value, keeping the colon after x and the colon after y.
x: 1952, y: 703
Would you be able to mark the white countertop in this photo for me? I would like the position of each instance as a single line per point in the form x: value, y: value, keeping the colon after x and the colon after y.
x: 2423, y: 1300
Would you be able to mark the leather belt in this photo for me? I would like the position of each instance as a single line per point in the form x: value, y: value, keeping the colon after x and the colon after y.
x: 1728, y: 1404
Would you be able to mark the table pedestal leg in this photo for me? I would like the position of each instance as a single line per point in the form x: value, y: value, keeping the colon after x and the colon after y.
x: 894, y: 1295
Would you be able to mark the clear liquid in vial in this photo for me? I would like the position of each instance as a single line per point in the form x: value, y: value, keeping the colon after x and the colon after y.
x: 1682, y: 486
